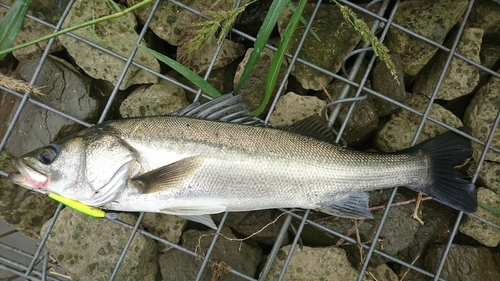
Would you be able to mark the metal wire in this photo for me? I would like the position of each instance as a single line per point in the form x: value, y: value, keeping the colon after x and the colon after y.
x: 30, y: 273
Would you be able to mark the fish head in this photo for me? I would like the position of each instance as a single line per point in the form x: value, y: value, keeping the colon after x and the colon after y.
x: 88, y: 168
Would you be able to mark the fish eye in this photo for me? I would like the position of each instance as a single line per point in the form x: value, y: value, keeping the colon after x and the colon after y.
x: 48, y: 154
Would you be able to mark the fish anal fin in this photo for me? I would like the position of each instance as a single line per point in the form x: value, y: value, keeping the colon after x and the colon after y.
x: 197, y: 214
x: 313, y: 126
x: 353, y: 206
x: 169, y: 176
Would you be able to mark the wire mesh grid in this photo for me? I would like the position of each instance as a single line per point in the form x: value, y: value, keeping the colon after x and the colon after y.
x: 41, y: 256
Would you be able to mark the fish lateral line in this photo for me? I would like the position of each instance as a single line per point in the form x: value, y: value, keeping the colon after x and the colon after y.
x: 82, y: 208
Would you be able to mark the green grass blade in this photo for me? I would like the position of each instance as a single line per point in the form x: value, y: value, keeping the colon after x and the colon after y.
x: 304, y: 22
x: 12, y: 23
x: 489, y: 208
x: 260, y: 42
x: 272, y: 75
x: 184, y: 71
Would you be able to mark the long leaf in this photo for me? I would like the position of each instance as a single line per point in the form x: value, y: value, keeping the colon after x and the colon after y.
x: 184, y: 71
x: 260, y: 42
x: 304, y: 22
x: 12, y: 23
x: 272, y: 75
x: 490, y: 208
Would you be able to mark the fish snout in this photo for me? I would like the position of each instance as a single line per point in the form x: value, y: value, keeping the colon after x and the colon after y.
x: 28, y: 177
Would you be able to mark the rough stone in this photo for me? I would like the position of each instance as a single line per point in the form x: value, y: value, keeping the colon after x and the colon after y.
x: 157, y: 99
x: 227, y: 254
x: 261, y: 226
x: 88, y: 248
x: 431, y: 19
x: 337, y: 36
x: 21, y: 208
x: 114, y: 35
x: 490, y: 58
x: 255, y: 85
x: 291, y: 108
x: 482, y: 232
x: 488, y: 176
x: 363, y: 121
x: 384, y: 83
x: 480, y: 116
x: 64, y: 89
x: 175, y: 24
x: 398, y: 132
x: 201, y: 58
x: 464, y: 263
x: 47, y: 11
x: 329, y: 263
x: 436, y: 228
x: 384, y: 272
x: 168, y: 227
x: 461, y: 78
x: 485, y: 14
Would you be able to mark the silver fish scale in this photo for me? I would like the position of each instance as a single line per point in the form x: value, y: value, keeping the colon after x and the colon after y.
x: 248, y: 167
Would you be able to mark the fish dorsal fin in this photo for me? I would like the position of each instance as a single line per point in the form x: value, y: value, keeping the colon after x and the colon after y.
x: 169, y: 176
x: 313, y: 126
x: 353, y: 206
x: 227, y: 108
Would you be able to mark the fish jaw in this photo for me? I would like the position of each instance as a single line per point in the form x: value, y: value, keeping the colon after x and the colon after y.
x: 28, y: 177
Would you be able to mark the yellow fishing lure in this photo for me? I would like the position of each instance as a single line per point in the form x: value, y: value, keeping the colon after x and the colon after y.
x: 82, y: 208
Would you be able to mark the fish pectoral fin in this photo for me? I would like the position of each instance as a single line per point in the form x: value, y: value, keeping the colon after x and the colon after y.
x: 353, y: 206
x: 197, y: 214
x: 169, y: 176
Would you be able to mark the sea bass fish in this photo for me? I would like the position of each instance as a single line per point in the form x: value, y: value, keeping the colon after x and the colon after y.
x: 215, y: 157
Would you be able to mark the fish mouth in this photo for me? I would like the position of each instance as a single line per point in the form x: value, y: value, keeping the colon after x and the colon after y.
x: 28, y: 177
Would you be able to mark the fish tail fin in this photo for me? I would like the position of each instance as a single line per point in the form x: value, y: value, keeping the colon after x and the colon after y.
x: 448, y: 185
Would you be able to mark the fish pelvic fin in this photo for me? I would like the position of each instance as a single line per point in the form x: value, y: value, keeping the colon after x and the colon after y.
x: 447, y: 185
x: 352, y: 206
x: 169, y: 176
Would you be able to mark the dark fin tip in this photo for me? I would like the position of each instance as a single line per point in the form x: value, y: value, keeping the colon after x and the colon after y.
x: 352, y: 206
x: 449, y: 186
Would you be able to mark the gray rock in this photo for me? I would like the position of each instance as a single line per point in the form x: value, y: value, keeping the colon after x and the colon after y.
x: 254, y: 86
x: 329, y: 263
x: 461, y: 78
x: 338, y: 39
x: 464, y: 263
x: 261, y: 226
x: 431, y: 19
x: 488, y: 176
x: 174, y: 24
x: 438, y: 222
x: 157, y: 99
x: 490, y: 58
x: 383, y: 82
x: 291, y: 108
x: 485, y: 14
x: 480, y: 115
x: 21, y: 208
x: 398, y: 133
x: 88, y: 248
x: 384, y: 273
x: 168, y: 227
x: 114, y: 35
x: 482, y: 232
x: 201, y: 58
x: 69, y: 92
x: 227, y: 254
x: 49, y: 12
x: 363, y: 120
